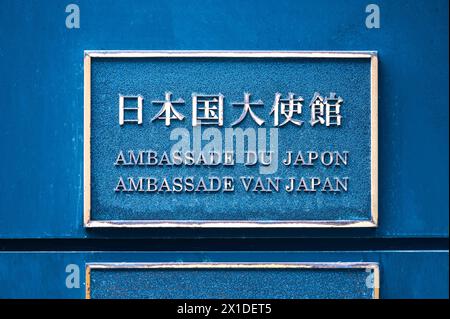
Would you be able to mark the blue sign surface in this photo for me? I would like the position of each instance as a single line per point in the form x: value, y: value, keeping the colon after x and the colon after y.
x: 233, y: 281
x: 231, y: 138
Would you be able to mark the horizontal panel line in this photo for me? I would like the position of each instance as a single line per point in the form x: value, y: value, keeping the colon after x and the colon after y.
x: 225, y: 244
x: 227, y: 54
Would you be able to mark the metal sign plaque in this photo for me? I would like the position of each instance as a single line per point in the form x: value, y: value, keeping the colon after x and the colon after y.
x: 220, y: 280
x: 230, y: 139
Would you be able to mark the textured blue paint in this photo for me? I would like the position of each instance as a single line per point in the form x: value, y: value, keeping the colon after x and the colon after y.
x: 41, y: 67
x: 349, y: 78
x: 230, y: 284
x: 403, y: 274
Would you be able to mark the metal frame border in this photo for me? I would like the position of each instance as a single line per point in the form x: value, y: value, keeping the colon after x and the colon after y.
x: 89, y: 223
x: 238, y: 265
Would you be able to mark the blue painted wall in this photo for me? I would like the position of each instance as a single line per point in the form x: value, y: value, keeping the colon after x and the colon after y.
x: 41, y: 113
x: 403, y: 274
x: 41, y: 67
